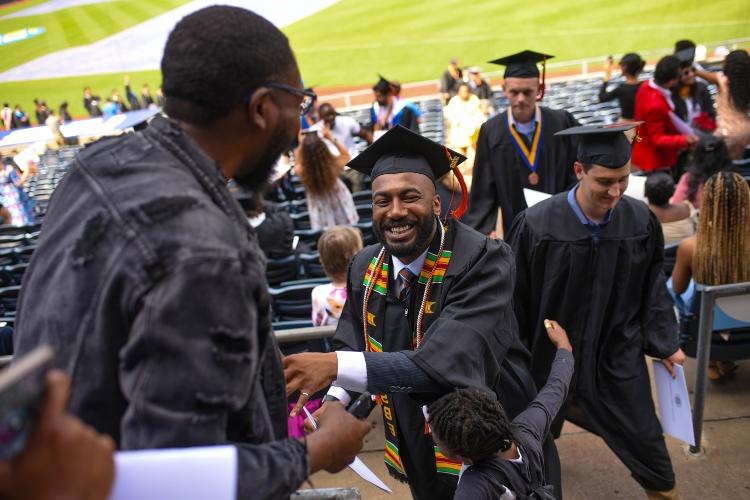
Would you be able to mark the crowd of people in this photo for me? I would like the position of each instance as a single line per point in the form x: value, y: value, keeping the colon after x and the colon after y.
x: 94, y: 105
x: 477, y: 328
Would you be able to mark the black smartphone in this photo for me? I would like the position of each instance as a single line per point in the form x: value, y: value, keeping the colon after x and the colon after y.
x: 362, y: 406
x: 22, y: 387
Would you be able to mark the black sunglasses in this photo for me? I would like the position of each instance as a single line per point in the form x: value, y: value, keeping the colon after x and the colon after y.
x: 308, y: 96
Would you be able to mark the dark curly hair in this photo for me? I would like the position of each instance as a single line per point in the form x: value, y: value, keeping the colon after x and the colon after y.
x: 659, y: 189
x: 667, y: 69
x: 471, y: 423
x: 216, y: 55
x: 737, y: 70
x: 710, y: 156
x: 632, y: 64
x: 318, y: 173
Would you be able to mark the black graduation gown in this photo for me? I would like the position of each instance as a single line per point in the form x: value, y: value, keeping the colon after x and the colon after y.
x: 612, y: 299
x: 473, y: 342
x: 500, y: 174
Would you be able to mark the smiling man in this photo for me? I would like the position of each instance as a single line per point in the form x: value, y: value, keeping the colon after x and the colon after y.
x: 593, y: 259
x: 430, y: 306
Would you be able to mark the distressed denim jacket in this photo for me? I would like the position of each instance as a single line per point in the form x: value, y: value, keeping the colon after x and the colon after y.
x: 150, y: 285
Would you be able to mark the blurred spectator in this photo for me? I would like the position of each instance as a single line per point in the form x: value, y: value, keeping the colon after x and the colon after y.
x: 691, y: 97
x: 63, y: 457
x: 387, y: 111
x: 109, y: 109
x: 337, y: 247
x: 146, y: 98
x: 450, y: 80
x: 159, y: 97
x: 733, y: 102
x: 54, y: 122
x: 719, y: 253
x: 480, y: 88
x: 271, y: 222
x: 91, y: 103
x: 396, y: 90
x: 130, y: 96
x: 311, y: 117
x: 464, y: 116
x: 664, y: 134
x: 12, y: 195
x: 329, y: 202
x: 121, y: 106
x: 631, y: 66
x: 20, y: 118
x: 64, y: 114
x: 343, y: 128
x: 710, y: 156
x: 6, y: 117
x: 677, y: 220
x: 41, y: 111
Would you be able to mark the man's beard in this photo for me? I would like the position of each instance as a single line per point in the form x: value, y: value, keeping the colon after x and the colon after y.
x: 259, y: 170
x: 424, y: 226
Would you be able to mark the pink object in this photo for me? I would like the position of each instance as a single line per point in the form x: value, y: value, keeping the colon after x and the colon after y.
x: 296, y: 425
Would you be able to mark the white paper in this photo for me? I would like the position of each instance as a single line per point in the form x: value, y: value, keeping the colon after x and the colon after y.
x: 637, y: 187
x: 23, y: 158
x: 365, y: 473
x: 534, y: 197
x: 674, y: 403
x: 198, y: 473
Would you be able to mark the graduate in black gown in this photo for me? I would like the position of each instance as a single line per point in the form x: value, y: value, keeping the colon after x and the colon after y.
x: 450, y: 324
x: 593, y: 259
x: 517, y: 148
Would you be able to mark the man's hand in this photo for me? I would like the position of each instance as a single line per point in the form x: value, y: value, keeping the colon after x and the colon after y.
x: 678, y: 357
x: 337, y: 441
x: 691, y: 139
x: 308, y: 373
x: 557, y: 335
x: 63, y: 458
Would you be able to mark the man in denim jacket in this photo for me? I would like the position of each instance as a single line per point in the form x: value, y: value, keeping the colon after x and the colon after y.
x: 149, y: 282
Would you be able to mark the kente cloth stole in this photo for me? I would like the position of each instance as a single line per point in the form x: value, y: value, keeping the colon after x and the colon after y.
x: 434, y: 268
x: 529, y: 156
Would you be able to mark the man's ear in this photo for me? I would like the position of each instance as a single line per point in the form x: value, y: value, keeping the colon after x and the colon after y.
x: 578, y: 169
x: 436, y: 204
x: 259, y: 108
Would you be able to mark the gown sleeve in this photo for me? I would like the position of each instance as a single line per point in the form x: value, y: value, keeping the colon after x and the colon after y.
x: 467, y: 343
x: 660, y: 329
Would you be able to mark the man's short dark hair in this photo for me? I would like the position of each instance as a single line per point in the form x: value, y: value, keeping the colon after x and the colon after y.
x: 216, y: 55
x: 471, y: 423
x: 659, y: 188
x: 667, y: 69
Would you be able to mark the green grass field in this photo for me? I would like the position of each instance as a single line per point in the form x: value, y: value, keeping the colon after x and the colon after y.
x: 352, y: 41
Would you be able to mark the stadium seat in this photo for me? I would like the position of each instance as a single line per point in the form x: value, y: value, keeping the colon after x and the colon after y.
x: 361, y: 197
x: 368, y: 237
x: 309, y: 237
x: 8, y: 300
x: 292, y: 302
x: 311, y: 265
x: 283, y: 269
x: 301, y: 220
x: 14, y: 273
x: 364, y: 211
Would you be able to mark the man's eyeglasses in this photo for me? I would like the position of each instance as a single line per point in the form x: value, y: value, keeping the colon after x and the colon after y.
x: 308, y: 96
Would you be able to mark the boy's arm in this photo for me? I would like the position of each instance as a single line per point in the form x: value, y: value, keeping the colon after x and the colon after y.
x: 539, y: 415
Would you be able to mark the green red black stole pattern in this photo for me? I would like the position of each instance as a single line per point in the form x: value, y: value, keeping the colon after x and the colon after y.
x: 375, y: 282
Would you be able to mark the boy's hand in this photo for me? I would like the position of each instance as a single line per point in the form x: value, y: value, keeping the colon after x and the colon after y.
x: 557, y: 335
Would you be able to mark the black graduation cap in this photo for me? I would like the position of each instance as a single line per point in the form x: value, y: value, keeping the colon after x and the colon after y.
x: 522, y: 64
x: 604, y: 145
x: 686, y: 56
x: 400, y: 150
x: 383, y: 86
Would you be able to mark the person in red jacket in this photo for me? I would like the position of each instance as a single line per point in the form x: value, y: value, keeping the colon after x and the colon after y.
x: 662, y: 134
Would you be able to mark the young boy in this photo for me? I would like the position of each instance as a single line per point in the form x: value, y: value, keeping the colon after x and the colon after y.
x: 505, y: 458
x: 337, y: 246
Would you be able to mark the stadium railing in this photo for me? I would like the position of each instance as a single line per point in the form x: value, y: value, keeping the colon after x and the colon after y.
x: 709, y: 295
